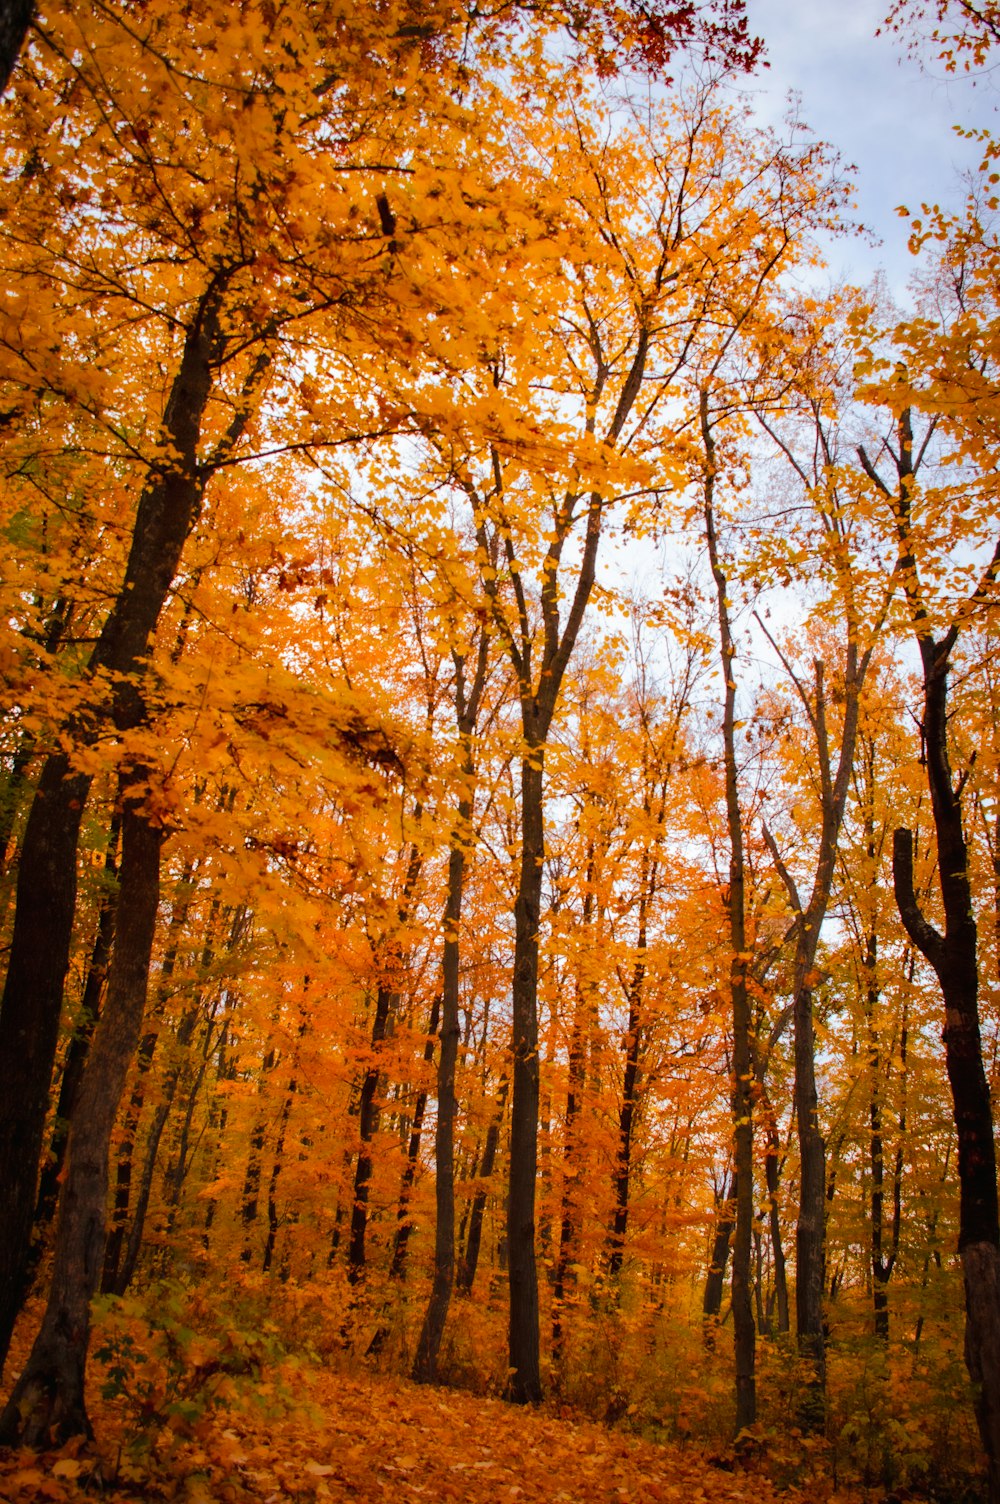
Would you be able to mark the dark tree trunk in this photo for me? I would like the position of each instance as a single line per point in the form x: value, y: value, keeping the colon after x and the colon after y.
x: 368, y: 1116
x: 630, y: 1081
x: 466, y: 1273
x: 404, y: 1222
x: 741, y: 1092
x: 525, y: 1382
x: 48, y: 1404
x: 46, y: 890
x: 250, y: 1201
x: 144, y: 1060
x: 715, y: 1279
x: 772, y: 1179
x: 569, y: 1210
x: 276, y: 1168
x: 15, y: 18
x: 76, y: 1053
x: 435, y: 1317
x: 118, y: 1278
x: 954, y: 958
x: 810, y: 1229
x: 431, y: 1333
x: 386, y: 1005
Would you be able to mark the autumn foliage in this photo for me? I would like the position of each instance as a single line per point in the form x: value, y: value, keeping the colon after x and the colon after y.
x: 498, y: 734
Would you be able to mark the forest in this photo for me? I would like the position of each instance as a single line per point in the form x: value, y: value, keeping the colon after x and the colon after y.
x: 499, y: 767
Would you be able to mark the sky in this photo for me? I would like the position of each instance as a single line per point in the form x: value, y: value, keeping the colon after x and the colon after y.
x: 883, y: 112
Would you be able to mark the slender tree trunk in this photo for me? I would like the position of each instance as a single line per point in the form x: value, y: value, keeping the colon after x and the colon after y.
x: 404, y: 1222
x: 250, y: 1201
x: 772, y: 1178
x: 744, y: 1332
x: 467, y: 706
x: 276, y: 1168
x: 715, y: 1279
x: 368, y: 1115
x: 525, y: 1382
x: 569, y: 1210
x: 435, y: 1317
x: 810, y: 1229
x: 630, y: 1080
x: 133, y: 1111
x: 466, y: 1273
x: 48, y: 1403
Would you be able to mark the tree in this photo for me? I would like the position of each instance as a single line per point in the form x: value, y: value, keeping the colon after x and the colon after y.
x: 946, y: 367
x: 15, y: 18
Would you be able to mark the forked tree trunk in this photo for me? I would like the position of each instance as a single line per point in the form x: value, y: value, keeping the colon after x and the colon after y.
x: 954, y: 958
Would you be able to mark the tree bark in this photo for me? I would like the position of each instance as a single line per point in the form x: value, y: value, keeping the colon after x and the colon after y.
x: 467, y: 707
x: 466, y: 1273
x: 715, y: 1279
x: 525, y: 1383
x: 630, y: 1077
x: 46, y: 889
x: 48, y: 1404
x: 954, y: 958
x: 74, y: 1065
x: 741, y: 1090
x: 15, y: 18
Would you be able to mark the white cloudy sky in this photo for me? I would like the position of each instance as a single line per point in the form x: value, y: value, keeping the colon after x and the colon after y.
x: 884, y: 113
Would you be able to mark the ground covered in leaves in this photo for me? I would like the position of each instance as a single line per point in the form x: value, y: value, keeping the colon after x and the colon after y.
x: 320, y: 1435
x: 200, y: 1405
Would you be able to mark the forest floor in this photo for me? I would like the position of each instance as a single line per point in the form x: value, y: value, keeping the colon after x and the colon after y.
x: 314, y: 1434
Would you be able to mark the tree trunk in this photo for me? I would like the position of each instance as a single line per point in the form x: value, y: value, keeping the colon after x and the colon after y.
x: 466, y: 1273
x: 46, y: 889
x: 48, y: 1404
x: 435, y: 1317
x: 130, y: 1126
x: 50, y: 1178
x: 741, y: 1092
x: 525, y: 1383
x: 432, y: 1331
x: 630, y: 1081
x: 810, y: 1229
x: 404, y: 1222
x: 569, y: 1209
x: 15, y: 18
x: 954, y: 957
x: 368, y: 1116
x: 715, y: 1279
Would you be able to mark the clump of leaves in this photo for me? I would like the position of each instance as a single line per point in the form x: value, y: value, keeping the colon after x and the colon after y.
x: 169, y: 1363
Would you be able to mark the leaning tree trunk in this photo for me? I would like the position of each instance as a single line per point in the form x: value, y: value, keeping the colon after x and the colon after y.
x: 48, y: 1403
x: 46, y: 890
